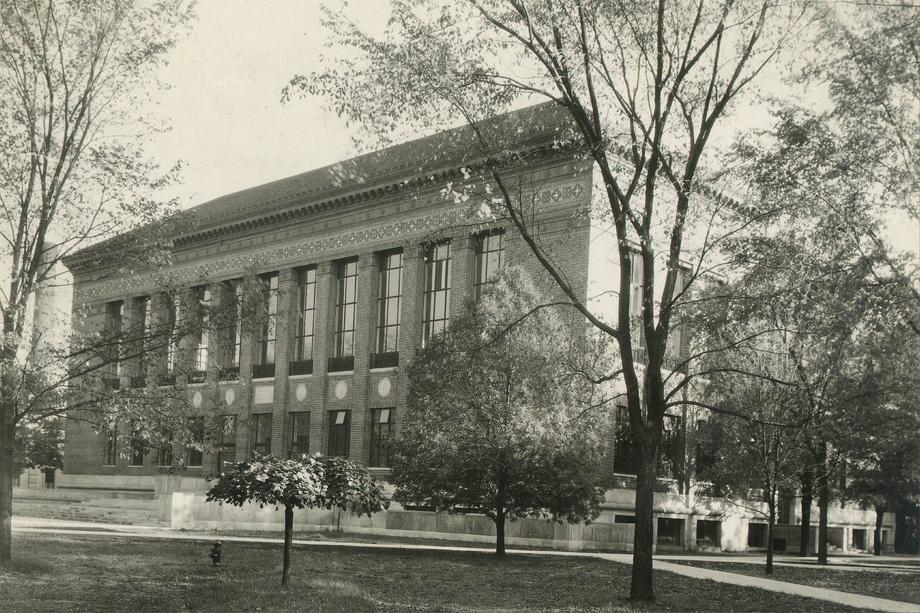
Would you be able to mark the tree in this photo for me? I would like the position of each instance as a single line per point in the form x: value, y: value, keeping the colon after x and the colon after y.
x: 40, y: 446
x: 645, y: 87
x: 763, y: 449
x: 497, y: 420
x: 312, y: 482
x: 882, y: 441
x: 73, y: 75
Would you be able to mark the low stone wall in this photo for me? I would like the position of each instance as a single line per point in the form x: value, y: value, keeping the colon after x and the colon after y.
x: 190, y: 511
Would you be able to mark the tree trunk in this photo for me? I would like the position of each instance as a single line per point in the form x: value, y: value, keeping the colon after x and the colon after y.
x: 288, y: 534
x: 806, y: 514
x: 879, y: 518
x: 500, y: 532
x: 771, y: 505
x: 7, y: 439
x: 824, y: 498
x: 642, y: 587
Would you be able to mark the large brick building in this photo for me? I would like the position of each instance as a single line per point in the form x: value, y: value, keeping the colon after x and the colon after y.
x: 355, y: 266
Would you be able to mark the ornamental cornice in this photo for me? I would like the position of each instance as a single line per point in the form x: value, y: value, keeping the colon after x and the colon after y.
x: 330, y: 246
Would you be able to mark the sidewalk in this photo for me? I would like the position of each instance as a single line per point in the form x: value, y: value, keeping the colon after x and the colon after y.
x: 843, y: 564
x: 35, y: 525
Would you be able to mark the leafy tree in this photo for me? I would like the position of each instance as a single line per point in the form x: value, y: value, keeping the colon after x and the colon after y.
x: 644, y: 88
x: 312, y: 482
x: 763, y: 449
x: 73, y: 75
x: 499, y: 420
x: 40, y: 446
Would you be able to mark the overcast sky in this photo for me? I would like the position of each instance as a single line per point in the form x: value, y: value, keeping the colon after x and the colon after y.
x: 224, y: 102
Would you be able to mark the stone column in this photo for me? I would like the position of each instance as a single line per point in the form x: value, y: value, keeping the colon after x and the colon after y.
x: 462, y: 263
x: 323, y: 331
x: 410, y: 321
x: 286, y: 320
x: 365, y: 323
x: 243, y: 421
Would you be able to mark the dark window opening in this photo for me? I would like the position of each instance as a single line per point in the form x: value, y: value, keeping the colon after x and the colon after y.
x: 306, y: 316
x: 339, y: 443
x: 437, y: 291
x: 670, y: 532
x: 346, y: 304
x: 299, y: 433
x: 262, y: 433
x: 381, y: 430
x: 490, y: 255
x: 708, y: 533
x: 625, y: 460
x: 757, y: 535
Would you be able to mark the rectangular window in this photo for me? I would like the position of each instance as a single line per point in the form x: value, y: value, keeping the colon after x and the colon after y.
x: 262, y: 433
x: 437, y: 291
x: 670, y: 531
x: 109, y: 447
x: 346, y: 302
x: 144, y: 313
x: 389, y: 293
x: 226, y: 441
x: 670, y: 453
x: 624, y: 451
x: 306, y: 315
x: 299, y: 433
x: 230, y: 352
x: 165, y: 454
x: 381, y: 429
x: 174, y: 312
x: 490, y: 256
x: 339, y: 433
x: 202, y: 297
x: 138, y: 447
x: 636, y: 276
x: 193, y: 452
x: 265, y: 357
x: 115, y: 326
x: 708, y: 533
x: 757, y: 535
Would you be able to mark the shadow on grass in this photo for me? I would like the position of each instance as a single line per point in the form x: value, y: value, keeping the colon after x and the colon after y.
x: 26, y: 566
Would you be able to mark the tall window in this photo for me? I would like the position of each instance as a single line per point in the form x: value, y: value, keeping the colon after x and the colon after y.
x: 202, y: 339
x: 306, y: 315
x: 230, y: 351
x: 389, y: 292
x: 636, y: 276
x: 437, y: 291
x: 268, y: 332
x: 262, y: 432
x: 346, y: 299
x: 115, y: 316
x: 624, y: 453
x: 226, y: 441
x: 138, y: 447
x: 299, y: 433
x: 144, y: 313
x: 193, y: 454
x: 109, y: 447
x: 165, y: 454
x: 671, y: 453
x: 381, y: 429
x: 490, y: 255
x: 339, y: 433
x: 174, y: 308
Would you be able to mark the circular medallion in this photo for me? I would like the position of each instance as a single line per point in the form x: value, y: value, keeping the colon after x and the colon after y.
x: 301, y: 392
x: 341, y: 390
x: 384, y: 387
x: 229, y: 396
x: 196, y: 399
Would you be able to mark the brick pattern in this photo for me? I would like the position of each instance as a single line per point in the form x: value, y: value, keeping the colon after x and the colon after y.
x: 566, y: 241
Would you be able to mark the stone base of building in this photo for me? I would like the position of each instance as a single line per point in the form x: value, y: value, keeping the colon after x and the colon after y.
x: 683, y: 522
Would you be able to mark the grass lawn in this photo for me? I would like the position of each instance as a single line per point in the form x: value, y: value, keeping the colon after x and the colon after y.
x: 74, y: 573
x: 895, y: 585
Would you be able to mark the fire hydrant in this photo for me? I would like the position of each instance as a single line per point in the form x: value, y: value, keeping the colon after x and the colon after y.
x: 215, y: 553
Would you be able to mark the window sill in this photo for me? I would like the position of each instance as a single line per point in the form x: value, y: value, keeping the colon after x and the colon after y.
x: 298, y: 377
x: 340, y: 373
x: 263, y: 379
x: 385, y: 369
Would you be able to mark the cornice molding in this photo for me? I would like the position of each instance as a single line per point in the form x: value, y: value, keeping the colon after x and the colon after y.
x: 329, y: 246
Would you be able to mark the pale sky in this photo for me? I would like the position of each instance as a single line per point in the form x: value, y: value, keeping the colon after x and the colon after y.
x: 229, y: 126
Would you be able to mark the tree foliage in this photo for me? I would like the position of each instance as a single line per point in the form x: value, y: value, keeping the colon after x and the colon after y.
x: 499, y: 418
x: 312, y: 482
x: 645, y: 87
x: 73, y: 75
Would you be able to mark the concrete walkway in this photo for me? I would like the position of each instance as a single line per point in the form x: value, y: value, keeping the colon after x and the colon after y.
x: 33, y: 525
x: 843, y: 564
